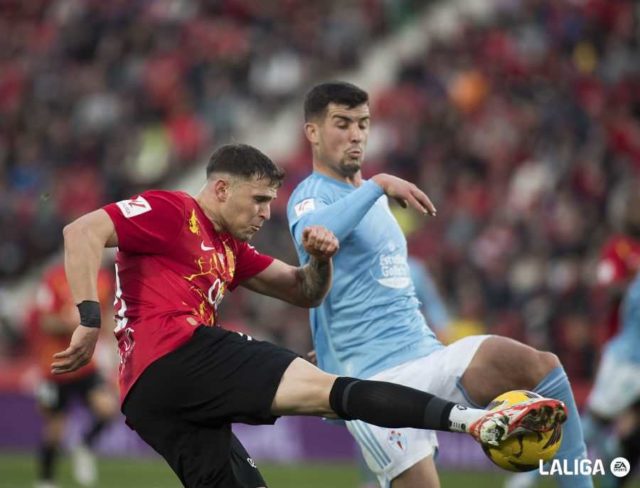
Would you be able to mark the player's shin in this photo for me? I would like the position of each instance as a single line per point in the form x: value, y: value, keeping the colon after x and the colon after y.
x: 47, y: 459
x: 556, y: 385
x: 392, y: 405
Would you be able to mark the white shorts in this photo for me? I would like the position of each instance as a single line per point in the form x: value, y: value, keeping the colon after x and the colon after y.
x: 390, y: 452
x: 616, y: 388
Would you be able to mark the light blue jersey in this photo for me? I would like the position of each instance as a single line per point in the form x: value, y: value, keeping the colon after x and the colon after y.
x: 370, y: 320
x: 626, y: 343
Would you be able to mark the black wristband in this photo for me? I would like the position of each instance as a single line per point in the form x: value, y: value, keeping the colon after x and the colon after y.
x: 89, y: 313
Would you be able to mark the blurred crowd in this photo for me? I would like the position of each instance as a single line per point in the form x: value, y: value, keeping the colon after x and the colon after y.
x: 524, y: 130
x: 99, y: 99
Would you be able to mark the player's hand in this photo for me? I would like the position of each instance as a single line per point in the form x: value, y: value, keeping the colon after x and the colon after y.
x: 405, y: 193
x: 319, y: 242
x: 83, y: 343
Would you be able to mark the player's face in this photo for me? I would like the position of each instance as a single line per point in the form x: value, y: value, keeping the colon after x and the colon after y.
x: 248, y: 206
x: 342, y: 138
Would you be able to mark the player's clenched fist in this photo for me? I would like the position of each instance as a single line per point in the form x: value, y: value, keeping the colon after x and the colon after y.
x: 319, y: 242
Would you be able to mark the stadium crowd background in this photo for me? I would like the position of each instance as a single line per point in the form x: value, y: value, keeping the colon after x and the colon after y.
x: 524, y: 130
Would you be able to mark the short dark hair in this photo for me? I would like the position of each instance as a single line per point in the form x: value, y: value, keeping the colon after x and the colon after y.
x: 245, y: 161
x: 338, y: 92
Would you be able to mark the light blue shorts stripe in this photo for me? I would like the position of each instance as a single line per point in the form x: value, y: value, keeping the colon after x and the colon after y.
x: 366, y: 437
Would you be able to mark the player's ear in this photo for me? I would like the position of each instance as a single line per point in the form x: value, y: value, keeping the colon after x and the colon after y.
x: 221, y: 189
x: 311, y: 132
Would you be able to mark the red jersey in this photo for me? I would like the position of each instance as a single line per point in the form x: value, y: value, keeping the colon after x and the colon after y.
x: 619, y: 262
x: 172, y: 270
x: 53, y: 298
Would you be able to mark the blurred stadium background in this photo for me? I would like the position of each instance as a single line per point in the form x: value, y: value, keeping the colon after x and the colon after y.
x: 520, y: 118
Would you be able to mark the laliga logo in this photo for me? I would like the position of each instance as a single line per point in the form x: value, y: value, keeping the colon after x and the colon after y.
x: 619, y: 467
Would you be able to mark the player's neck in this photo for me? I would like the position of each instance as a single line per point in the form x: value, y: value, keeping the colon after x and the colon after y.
x: 209, y: 210
x: 354, y: 180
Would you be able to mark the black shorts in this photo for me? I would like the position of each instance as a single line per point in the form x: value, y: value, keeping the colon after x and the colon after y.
x: 55, y: 396
x: 184, y: 402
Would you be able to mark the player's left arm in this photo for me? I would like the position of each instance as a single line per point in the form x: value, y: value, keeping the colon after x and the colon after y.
x: 84, y: 243
x: 305, y: 286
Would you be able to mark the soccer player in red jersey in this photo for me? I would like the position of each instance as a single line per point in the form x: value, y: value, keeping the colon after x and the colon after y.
x: 55, y: 318
x: 620, y: 258
x: 183, y: 380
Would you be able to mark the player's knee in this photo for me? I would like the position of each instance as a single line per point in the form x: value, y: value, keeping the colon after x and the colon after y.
x: 303, y: 390
x: 544, y: 362
x: 103, y: 404
x: 105, y: 410
x: 548, y: 361
x: 53, y: 430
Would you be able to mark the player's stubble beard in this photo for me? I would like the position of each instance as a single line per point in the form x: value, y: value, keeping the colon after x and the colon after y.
x: 349, y: 167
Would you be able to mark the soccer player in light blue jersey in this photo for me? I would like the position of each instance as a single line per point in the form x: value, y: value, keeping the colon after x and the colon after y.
x: 370, y: 324
x: 616, y: 392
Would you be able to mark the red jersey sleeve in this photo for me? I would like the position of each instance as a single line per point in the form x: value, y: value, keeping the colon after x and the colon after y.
x: 249, y: 263
x: 149, y: 222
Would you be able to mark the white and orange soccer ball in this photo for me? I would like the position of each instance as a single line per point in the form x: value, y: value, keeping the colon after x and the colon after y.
x: 523, y: 451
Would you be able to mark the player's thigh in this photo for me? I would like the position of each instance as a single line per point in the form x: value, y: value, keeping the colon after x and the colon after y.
x: 230, y: 377
x: 52, y: 400
x: 303, y: 390
x: 616, y: 388
x: 403, y: 455
x: 501, y: 364
x: 438, y: 373
x: 244, y: 467
x: 53, y: 425
x: 199, y: 455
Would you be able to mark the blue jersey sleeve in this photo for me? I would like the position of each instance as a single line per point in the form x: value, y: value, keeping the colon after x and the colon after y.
x: 340, y: 217
x: 427, y: 293
x: 630, y: 316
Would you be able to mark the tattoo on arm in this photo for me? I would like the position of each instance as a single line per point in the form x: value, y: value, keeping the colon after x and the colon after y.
x: 315, y: 279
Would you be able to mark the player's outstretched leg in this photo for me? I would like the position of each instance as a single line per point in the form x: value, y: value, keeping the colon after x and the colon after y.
x: 392, y: 405
x: 306, y: 390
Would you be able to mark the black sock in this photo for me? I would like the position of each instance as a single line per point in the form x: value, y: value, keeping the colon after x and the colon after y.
x: 388, y: 404
x: 90, y: 436
x: 630, y: 449
x: 46, y: 461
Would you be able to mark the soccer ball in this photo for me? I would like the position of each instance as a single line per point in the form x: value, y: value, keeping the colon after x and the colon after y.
x: 523, y: 452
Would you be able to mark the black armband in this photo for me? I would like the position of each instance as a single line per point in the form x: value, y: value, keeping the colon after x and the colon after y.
x: 89, y: 313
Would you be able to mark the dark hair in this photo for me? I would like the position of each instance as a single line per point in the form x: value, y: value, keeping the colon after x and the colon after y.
x: 338, y: 92
x: 245, y: 161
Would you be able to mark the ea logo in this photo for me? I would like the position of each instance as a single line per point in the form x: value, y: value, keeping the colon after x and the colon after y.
x: 620, y: 467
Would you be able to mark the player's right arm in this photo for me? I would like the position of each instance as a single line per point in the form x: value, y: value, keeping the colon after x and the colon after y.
x: 84, y: 242
x: 343, y: 215
x: 304, y: 286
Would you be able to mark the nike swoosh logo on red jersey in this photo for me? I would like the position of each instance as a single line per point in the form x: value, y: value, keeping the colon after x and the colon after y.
x: 206, y: 248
